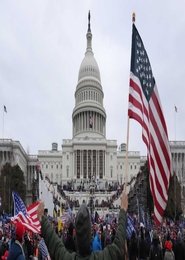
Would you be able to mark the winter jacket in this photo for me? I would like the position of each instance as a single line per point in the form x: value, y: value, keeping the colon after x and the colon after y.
x: 96, y: 244
x: 155, y: 252
x: 179, y: 249
x: 16, y: 251
x: 58, y: 251
x: 133, y: 249
x: 142, y: 249
x: 169, y: 255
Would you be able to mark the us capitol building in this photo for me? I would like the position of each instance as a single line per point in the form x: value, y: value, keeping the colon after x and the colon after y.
x: 88, y: 157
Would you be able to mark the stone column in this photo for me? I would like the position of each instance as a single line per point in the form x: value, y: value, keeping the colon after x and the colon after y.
x: 82, y: 160
x: 75, y: 166
x: 88, y: 120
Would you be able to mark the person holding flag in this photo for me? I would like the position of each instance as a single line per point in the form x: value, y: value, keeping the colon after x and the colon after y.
x: 57, y: 250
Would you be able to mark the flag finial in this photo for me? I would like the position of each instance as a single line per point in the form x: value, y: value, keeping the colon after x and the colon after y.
x: 133, y: 17
x: 89, y: 21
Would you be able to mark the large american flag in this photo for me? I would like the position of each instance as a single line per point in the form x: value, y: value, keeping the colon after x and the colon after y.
x: 27, y: 216
x: 145, y: 107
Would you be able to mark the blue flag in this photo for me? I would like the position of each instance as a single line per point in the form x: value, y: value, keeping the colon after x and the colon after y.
x: 130, y: 227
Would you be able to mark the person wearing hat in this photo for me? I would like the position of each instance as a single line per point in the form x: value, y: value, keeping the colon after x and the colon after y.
x: 16, y: 250
x: 169, y: 254
x: 58, y: 251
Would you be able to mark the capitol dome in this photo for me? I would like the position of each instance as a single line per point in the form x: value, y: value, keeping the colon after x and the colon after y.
x: 89, y: 67
x: 89, y: 116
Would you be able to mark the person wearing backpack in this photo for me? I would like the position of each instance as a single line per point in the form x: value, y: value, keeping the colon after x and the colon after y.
x: 155, y: 249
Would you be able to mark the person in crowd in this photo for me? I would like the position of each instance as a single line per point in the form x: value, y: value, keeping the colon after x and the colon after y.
x: 148, y: 241
x: 168, y: 254
x: 69, y: 241
x: 43, y: 253
x: 179, y: 248
x: 1, y: 240
x: 155, y: 250
x: 16, y: 250
x: 96, y: 243
x: 4, y: 246
x: 133, y: 247
x: 58, y: 251
x: 28, y: 246
x: 113, y: 234
x: 107, y: 235
x: 6, y: 252
x: 102, y: 236
x: 142, y: 252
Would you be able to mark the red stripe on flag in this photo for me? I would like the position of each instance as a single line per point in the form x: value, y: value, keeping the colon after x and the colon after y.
x: 159, y: 163
x: 161, y: 138
x: 159, y: 110
x: 140, y: 110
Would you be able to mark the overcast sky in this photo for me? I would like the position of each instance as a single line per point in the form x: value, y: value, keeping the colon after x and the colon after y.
x: 42, y: 44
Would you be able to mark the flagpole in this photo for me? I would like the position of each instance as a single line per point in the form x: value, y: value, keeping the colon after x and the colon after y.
x: 175, y: 121
x: 127, y: 143
x: 126, y: 156
x: 175, y: 184
x: 3, y: 126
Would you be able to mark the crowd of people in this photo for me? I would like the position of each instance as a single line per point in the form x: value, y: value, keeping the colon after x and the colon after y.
x: 84, y: 186
x: 18, y: 243
x: 83, y: 237
x: 109, y: 203
x: 158, y: 244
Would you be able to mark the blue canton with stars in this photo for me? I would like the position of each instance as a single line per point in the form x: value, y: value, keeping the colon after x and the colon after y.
x: 140, y: 64
x: 19, y: 205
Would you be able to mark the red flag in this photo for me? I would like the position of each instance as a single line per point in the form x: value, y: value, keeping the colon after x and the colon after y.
x: 145, y: 107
